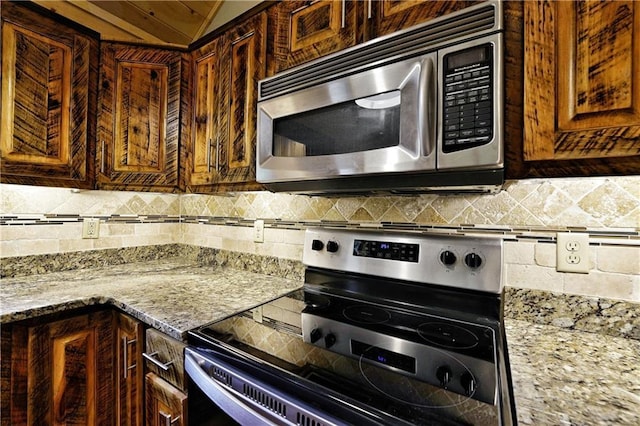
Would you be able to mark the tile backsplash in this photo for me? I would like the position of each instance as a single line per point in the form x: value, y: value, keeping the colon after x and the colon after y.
x: 527, y: 214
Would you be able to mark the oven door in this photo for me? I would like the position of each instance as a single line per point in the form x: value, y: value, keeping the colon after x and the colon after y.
x: 381, y: 120
x: 225, y: 389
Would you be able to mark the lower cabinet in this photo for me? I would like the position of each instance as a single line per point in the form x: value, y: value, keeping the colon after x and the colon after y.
x: 165, y: 405
x: 89, y: 369
x: 59, y: 373
x: 129, y: 344
x: 165, y: 386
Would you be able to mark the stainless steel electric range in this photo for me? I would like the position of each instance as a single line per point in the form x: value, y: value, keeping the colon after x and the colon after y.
x: 389, y: 328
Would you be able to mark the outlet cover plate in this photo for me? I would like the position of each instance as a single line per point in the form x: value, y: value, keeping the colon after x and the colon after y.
x: 258, y: 231
x: 572, y: 252
x: 90, y: 228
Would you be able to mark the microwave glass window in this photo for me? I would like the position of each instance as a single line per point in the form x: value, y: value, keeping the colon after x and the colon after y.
x: 354, y: 126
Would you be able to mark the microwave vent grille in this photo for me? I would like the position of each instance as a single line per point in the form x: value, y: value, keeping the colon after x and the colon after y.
x: 472, y: 22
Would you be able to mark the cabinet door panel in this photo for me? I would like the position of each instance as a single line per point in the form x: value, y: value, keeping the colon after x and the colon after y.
x: 393, y: 15
x: 62, y: 372
x: 307, y: 30
x: 129, y: 340
x: 139, y: 118
x: 201, y: 154
x: 582, y: 90
x: 245, y: 51
x: 49, y: 79
x: 164, y: 404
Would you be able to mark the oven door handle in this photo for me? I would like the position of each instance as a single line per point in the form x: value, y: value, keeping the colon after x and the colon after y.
x: 241, y: 408
x: 224, y: 399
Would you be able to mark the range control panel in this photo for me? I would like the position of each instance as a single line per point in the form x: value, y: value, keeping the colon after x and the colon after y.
x: 456, y: 261
x: 386, y: 250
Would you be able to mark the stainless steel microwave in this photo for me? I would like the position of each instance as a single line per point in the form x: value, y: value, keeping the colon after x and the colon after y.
x: 415, y: 111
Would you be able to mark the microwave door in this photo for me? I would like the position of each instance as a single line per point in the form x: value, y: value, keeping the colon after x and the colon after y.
x: 377, y: 121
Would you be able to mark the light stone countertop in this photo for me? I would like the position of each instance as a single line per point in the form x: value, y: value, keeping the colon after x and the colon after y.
x: 172, y: 295
x: 560, y: 377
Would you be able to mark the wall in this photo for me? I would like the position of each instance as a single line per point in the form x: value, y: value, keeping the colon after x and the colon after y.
x: 527, y: 214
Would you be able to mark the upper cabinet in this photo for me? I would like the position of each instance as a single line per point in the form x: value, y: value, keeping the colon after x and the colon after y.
x: 306, y: 30
x: 226, y: 71
x: 139, y: 118
x: 49, y: 91
x: 581, y: 89
x: 388, y: 16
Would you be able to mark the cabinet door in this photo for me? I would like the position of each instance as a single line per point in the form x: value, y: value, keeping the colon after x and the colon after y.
x: 129, y: 346
x: 307, y: 30
x: 243, y: 53
x: 202, y: 156
x: 582, y: 86
x: 165, y: 405
x: 62, y: 372
x: 393, y: 15
x: 49, y: 80
x: 139, y: 118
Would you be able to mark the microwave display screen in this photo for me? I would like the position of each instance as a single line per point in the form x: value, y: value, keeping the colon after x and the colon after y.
x: 467, y: 57
x: 354, y: 126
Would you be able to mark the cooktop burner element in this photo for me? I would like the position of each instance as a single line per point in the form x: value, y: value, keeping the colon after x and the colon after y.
x: 366, y: 314
x: 447, y: 335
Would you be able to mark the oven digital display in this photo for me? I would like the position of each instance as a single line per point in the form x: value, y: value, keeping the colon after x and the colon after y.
x: 386, y: 250
x: 383, y: 356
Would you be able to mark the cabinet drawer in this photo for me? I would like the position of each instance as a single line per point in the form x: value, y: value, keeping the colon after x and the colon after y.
x: 167, y: 355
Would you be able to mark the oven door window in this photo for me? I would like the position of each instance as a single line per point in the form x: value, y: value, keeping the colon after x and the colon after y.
x: 362, y: 124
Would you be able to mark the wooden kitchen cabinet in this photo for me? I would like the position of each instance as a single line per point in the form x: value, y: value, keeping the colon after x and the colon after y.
x: 581, y: 89
x: 165, y: 404
x: 49, y: 95
x: 388, y: 16
x: 139, y: 118
x: 306, y: 30
x: 221, y: 155
x: 59, y: 372
x: 129, y: 345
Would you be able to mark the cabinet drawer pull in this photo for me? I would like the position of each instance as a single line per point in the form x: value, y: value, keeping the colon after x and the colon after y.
x: 344, y: 13
x: 157, y: 363
x: 165, y: 419
x: 217, y: 153
x: 102, y: 152
x: 369, y: 9
x: 209, y: 147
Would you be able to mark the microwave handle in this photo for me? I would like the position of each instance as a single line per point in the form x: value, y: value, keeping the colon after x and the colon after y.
x: 427, y: 106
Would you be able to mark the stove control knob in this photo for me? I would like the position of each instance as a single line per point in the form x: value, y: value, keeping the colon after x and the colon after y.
x: 317, y: 245
x: 468, y: 383
x: 332, y: 246
x: 329, y: 340
x: 448, y: 258
x: 315, y: 335
x: 473, y: 260
x: 443, y: 374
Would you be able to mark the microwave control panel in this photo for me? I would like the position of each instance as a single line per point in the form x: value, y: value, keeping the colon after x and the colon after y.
x: 468, y: 98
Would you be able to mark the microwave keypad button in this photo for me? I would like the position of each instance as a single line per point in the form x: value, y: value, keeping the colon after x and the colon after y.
x: 484, y: 98
x: 450, y: 103
x: 481, y: 131
x: 467, y: 125
x: 451, y: 127
x: 483, y: 105
x: 467, y: 133
x: 457, y: 77
x: 449, y: 79
x: 484, y: 71
x: 451, y: 135
x: 483, y: 120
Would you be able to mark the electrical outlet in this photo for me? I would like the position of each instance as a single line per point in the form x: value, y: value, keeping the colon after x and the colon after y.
x: 258, y: 231
x: 572, y: 252
x: 91, y: 228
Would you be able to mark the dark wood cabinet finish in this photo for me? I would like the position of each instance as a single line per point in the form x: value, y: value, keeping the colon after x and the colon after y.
x: 129, y: 386
x: 166, y: 351
x: 49, y: 94
x: 388, y: 16
x: 164, y: 404
x: 139, y: 118
x: 59, y: 372
x: 221, y: 153
x: 306, y: 30
x: 581, y: 90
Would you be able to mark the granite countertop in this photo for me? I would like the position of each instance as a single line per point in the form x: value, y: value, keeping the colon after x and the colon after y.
x: 172, y: 295
x: 560, y: 376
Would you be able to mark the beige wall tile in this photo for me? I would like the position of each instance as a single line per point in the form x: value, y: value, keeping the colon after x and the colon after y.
x: 616, y: 286
x: 622, y: 260
x: 517, y: 252
x: 533, y: 277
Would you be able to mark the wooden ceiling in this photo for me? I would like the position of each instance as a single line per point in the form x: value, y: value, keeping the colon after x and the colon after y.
x: 174, y: 22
